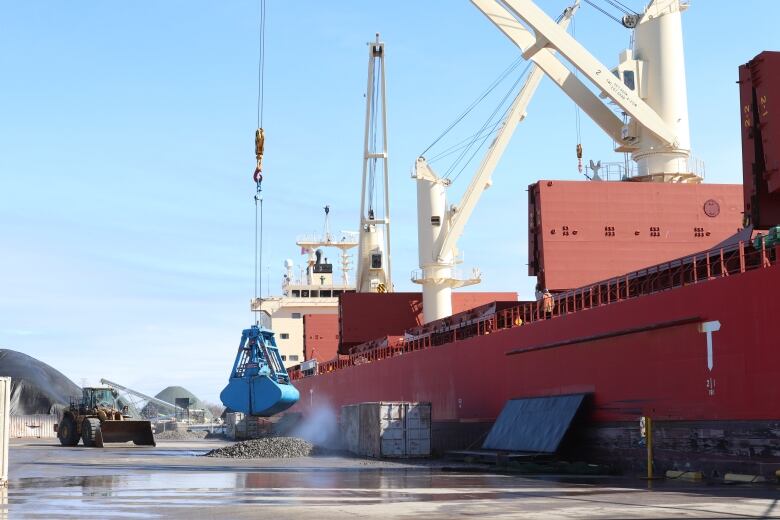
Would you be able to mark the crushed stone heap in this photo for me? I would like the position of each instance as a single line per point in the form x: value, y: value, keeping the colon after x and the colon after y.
x: 265, y: 448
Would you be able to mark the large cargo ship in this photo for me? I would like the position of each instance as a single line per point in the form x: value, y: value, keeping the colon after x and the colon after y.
x: 663, y: 305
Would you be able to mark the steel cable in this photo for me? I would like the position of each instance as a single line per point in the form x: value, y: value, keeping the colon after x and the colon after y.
x: 261, y: 66
x: 474, y: 103
x: 460, y: 144
x: 487, y: 123
x: 589, y: 2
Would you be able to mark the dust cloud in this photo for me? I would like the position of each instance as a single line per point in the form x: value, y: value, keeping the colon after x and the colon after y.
x: 321, y: 427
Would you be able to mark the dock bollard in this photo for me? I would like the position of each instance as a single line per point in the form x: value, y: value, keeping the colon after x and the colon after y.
x: 646, y: 431
x: 649, y: 433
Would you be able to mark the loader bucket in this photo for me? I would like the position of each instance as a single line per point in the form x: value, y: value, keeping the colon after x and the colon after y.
x: 140, y: 432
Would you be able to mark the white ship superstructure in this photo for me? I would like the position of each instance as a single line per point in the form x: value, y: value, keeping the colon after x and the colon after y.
x: 311, y: 290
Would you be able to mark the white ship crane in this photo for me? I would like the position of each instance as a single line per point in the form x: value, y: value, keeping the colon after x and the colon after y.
x: 648, y: 85
x: 439, y: 227
x: 373, y: 263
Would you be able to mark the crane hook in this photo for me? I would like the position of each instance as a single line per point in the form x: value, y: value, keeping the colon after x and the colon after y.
x: 259, y: 149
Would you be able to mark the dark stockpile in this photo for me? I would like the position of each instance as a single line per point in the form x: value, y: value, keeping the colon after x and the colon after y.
x: 36, y: 388
x: 265, y: 448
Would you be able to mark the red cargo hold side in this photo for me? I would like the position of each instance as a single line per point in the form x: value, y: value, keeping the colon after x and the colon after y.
x: 320, y: 336
x: 580, y: 232
x: 661, y: 372
x: 368, y: 316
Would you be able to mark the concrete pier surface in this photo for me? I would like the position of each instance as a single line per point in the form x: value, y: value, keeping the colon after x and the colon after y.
x: 172, y: 481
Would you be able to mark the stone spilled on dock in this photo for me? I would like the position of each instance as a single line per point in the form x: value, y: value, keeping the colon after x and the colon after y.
x: 265, y: 448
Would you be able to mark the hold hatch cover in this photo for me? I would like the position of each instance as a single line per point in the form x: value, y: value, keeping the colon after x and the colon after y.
x: 535, y: 424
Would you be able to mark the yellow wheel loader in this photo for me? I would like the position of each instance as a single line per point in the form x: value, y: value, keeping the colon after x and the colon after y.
x: 97, y: 419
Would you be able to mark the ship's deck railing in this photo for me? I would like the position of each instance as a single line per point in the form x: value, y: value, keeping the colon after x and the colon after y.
x: 693, y: 269
x: 624, y: 171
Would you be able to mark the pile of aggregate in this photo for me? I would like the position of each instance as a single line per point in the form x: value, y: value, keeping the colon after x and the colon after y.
x: 265, y: 448
x: 181, y: 435
x: 36, y: 388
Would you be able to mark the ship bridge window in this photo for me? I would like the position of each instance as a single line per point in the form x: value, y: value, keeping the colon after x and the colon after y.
x: 296, y: 293
x: 325, y: 294
x: 293, y: 357
x: 304, y: 294
x: 315, y: 294
x: 336, y: 293
x: 284, y: 335
x: 284, y: 358
x: 296, y: 315
x: 628, y: 79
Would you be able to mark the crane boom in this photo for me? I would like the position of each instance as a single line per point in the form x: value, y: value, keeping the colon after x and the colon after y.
x: 648, y: 83
x: 555, y: 70
x: 549, y: 34
x: 440, y: 228
x: 481, y: 180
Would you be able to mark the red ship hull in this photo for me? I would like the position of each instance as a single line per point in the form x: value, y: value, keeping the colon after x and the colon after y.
x: 637, y: 344
x: 641, y: 356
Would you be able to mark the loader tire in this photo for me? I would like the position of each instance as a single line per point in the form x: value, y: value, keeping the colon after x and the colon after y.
x: 67, y: 432
x: 89, y: 429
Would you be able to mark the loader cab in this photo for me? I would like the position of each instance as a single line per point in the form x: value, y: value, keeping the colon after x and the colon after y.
x: 94, y: 397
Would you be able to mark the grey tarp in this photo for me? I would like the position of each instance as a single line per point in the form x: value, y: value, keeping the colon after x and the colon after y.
x: 36, y: 388
x: 535, y: 424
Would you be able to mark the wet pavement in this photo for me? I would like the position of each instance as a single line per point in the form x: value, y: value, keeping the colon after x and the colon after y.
x: 172, y: 481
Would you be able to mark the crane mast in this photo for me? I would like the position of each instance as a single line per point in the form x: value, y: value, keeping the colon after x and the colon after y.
x: 373, y: 265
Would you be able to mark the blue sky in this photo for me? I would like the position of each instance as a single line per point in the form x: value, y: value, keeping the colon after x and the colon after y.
x: 126, y: 153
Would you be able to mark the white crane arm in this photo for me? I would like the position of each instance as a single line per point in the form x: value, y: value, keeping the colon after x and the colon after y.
x: 555, y: 70
x: 461, y: 213
x: 549, y: 34
x: 138, y: 394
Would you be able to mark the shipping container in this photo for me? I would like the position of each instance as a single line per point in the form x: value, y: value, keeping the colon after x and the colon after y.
x: 418, y: 430
x: 350, y: 427
x: 367, y: 316
x: 759, y: 81
x: 387, y: 429
x: 240, y: 427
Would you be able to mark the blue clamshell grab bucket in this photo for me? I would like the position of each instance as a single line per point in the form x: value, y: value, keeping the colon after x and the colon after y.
x: 259, y: 384
x: 258, y: 396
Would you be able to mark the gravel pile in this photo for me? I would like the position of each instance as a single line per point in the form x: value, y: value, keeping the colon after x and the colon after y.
x: 180, y: 435
x: 268, y: 448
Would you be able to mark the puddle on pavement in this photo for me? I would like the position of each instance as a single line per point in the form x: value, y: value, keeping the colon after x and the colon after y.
x: 156, y: 491
x: 144, y: 487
